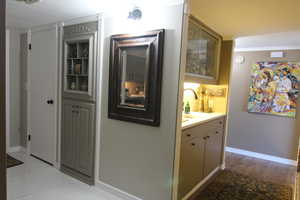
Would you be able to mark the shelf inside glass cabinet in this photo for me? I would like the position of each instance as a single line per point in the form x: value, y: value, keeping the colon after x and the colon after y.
x: 77, y: 66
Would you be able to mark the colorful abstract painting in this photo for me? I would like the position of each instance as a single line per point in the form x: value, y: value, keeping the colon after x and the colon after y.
x: 274, y: 88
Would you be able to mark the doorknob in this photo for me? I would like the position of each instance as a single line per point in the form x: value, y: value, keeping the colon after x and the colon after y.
x: 50, y: 101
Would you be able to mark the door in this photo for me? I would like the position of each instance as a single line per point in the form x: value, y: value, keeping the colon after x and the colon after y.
x: 43, y: 72
x: 85, y: 139
x: 213, y: 150
x: 191, y: 165
x: 68, y: 142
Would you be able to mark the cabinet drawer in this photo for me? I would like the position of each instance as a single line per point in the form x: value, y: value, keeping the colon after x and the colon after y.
x: 201, y: 131
x: 217, y: 123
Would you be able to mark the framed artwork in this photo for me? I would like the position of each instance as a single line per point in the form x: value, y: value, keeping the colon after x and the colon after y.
x: 203, y: 51
x: 135, y: 77
x: 274, y: 88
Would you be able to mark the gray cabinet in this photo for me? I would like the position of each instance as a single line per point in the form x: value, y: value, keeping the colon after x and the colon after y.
x: 201, y: 153
x: 80, y: 50
x: 78, y: 140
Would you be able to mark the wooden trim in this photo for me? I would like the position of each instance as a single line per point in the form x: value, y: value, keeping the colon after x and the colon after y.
x: 2, y: 104
x: 150, y: 113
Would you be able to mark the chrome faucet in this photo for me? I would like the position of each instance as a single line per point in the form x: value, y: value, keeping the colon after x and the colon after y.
x: 195, y: 94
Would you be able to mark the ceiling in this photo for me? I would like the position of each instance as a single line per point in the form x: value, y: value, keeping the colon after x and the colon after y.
x: 235, y: 18
x: 21, y: 15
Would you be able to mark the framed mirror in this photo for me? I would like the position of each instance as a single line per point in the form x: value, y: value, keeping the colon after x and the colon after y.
x: 135, y: 77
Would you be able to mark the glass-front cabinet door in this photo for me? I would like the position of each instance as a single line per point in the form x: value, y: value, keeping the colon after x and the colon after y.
x: 79, y: 67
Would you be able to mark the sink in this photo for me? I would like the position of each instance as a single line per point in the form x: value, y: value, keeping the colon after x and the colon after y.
x: 194, y: 115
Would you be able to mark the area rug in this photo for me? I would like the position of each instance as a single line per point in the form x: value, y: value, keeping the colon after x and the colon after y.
x: 12, y: 162
x: 233, y: 186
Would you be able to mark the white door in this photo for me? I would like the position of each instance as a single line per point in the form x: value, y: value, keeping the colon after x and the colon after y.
x: 43, y: 69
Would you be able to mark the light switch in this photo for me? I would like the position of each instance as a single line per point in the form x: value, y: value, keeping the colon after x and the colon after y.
x: 277, y: 54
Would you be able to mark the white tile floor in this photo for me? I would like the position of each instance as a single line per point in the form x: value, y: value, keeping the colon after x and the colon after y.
x: 35, y: 180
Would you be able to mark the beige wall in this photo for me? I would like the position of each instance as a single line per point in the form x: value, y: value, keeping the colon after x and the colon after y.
x: 267, y: 134
x: 135, y: 158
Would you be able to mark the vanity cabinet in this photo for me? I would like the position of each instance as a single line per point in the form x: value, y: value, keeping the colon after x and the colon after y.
x: 77, y: 157
x: 203, y: 53
x: 201, y: 153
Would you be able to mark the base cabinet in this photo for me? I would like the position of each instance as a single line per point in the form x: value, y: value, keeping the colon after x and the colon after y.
x: 78, y: 140
x: 201, y: 153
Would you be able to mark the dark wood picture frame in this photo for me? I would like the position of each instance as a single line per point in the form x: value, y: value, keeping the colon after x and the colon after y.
x: 149, y: 113
x: 2, y: 104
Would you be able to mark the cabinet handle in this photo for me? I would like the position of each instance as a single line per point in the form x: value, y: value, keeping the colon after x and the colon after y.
x: 193, y: 144
x: 189, y: 135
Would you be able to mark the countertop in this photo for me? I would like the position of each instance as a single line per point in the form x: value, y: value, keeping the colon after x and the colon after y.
x: 200, y: 118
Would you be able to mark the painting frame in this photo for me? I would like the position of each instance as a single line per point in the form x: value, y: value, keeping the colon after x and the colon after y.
x: 274, y: 88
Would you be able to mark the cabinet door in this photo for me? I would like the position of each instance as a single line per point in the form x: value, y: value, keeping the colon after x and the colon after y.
x: 80, y: 67
x: 68, y: 135
x: 191, y: 165
x: 213, y: 150
x: 85, y: 139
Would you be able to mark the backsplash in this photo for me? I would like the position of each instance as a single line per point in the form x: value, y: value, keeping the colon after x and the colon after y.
x: 210, y: 98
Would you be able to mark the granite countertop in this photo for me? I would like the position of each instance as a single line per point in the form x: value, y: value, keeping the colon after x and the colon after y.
x: 198, y: 118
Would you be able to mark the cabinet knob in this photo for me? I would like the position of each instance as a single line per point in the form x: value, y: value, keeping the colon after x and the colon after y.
x: 189, y: 135
x: 217, y: 132
x: 220, y: 122
x: 207, y: 137
x: 193, y: 144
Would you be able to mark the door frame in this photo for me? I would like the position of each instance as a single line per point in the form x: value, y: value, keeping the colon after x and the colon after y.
x: 2, y: 103
x: 7, y: 88
x: 56, y: 93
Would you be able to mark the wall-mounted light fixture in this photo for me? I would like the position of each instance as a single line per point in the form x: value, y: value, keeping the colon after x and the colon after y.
x: 135, y: 13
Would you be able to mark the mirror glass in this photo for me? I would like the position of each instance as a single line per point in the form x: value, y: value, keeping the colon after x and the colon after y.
x: 134, y: 73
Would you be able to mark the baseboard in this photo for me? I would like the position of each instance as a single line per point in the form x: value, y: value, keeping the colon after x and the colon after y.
x: 115, y: 191
x: 262, y: 156
x: 16, y: 149
x: 198, y: 186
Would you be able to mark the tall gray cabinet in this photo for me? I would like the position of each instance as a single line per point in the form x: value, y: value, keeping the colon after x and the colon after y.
x: 79, y: 101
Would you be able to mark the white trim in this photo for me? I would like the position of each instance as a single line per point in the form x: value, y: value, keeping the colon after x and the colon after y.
x: 16, y: 149
x: 275, y: 48
x: 262, y: 156
x: 7, y: 88
x: 99, y: 67
x: 198, y: 186
x: 115, y: 191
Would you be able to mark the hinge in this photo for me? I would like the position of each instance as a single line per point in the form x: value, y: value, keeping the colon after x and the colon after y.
x: 29, y: 46
x: 29, y: 137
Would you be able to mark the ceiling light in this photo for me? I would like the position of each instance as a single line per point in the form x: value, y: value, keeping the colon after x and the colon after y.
x: 135, y: 13
x: 29, y: 1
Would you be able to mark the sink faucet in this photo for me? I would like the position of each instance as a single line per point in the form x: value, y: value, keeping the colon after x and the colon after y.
x: 195, y: 94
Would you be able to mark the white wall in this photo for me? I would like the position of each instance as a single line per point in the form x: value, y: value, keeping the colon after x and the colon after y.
x: 135, y: 158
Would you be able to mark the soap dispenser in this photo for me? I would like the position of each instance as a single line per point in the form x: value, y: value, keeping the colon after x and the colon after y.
x: 187, y: 108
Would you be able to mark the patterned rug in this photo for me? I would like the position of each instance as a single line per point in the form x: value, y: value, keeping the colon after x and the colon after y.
x: 12, y: 162
x: 233, y: 186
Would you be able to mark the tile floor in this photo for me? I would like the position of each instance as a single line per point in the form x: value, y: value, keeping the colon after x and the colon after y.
x: 35, y: 180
